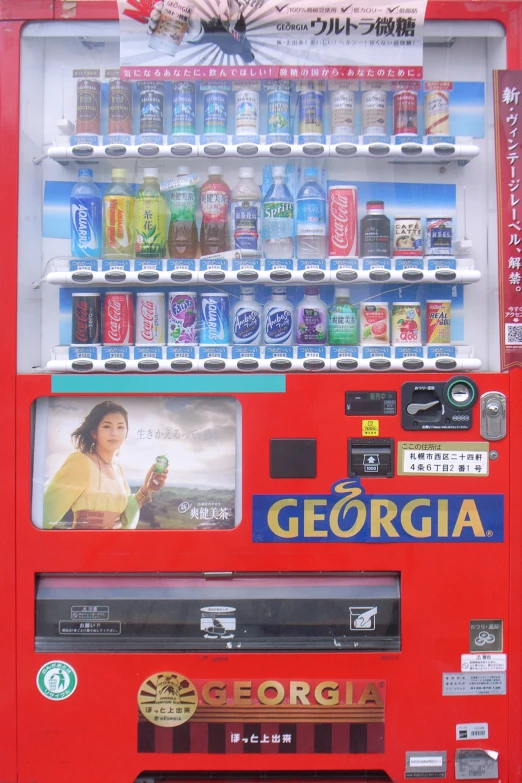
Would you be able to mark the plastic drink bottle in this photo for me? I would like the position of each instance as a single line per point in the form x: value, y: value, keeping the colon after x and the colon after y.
x: 183, y: 233
x: 278, y: 319
x: 215, y: 198
x: 342, y: 320
x: 311, y: 218
x: 150, y: 217
x: 311, y: 319
x: 86, y: 217
x: 118, y: 218
x: 278, y: 218
x: 375, y: 231
x: 246, y: 211
x: 246, y: 318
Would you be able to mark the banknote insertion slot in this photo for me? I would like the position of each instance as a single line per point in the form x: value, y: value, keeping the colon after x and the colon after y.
x: 238, y: 613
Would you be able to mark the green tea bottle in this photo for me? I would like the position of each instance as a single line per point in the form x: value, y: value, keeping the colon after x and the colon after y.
x: 342, y: 320
x: 150, y: 217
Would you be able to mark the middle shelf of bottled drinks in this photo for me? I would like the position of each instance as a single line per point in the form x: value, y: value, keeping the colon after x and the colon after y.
x: 331, y: 271
x: 64, y: 150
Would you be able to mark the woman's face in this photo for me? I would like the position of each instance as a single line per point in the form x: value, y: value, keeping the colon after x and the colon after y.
x: 111, y: 432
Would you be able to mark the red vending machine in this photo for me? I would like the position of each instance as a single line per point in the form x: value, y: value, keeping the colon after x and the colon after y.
x: 268, y: 302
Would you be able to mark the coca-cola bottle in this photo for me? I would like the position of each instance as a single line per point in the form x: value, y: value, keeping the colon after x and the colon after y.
x: 215, y: 199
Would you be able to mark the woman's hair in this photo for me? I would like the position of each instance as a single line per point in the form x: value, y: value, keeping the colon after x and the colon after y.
x: 82, y: 436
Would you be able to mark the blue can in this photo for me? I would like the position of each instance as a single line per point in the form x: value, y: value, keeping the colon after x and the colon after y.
x: 183, y: 109
x: 279, y: 126
x: 311, y: 113
x: 214, y: 320
x: 215, y: 112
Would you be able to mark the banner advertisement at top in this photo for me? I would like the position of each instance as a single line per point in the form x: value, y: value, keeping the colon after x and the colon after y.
x: 270, y: 39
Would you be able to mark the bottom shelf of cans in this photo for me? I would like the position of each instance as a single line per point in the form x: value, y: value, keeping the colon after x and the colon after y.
x: 262, y: 328
x: 262, y: 358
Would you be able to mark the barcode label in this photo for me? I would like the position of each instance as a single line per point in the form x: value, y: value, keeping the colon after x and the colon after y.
x: 470, y: 731
x: 513, y: 334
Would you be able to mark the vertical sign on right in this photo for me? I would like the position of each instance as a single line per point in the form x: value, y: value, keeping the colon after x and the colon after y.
x: 508, y: 132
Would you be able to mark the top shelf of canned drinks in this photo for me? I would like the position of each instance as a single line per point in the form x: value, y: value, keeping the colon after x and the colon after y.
x: 73, y: 148
x: 395, y: 121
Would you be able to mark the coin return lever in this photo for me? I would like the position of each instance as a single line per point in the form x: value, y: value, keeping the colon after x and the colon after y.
x: 439, y: 406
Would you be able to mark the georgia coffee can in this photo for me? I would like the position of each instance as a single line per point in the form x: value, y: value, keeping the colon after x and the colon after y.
x: 405, y: 112
x: 118, y: 318
x: 86, y: 319
x: 120, y: 106
x: 151, y: 107
x: 150, y: 319
x: 436, y: 113
x: 342, y: 221
x: 88, y: 93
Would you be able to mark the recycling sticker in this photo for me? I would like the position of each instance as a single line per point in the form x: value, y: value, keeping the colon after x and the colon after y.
x: 56, y: 680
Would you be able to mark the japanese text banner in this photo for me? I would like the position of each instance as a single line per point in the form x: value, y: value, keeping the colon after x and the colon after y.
x: 508, y: 127
x: 224, y: 39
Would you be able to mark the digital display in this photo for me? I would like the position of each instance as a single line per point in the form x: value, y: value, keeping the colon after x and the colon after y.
x: 371, y: 403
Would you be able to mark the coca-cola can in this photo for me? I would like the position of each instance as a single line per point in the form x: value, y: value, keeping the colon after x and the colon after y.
x: 343, y: 221
x: 118, y: 318
x: 86, y: 319
x: 150, y: 319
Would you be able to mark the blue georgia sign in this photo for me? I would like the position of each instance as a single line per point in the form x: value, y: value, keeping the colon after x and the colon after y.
x: 349, y: 515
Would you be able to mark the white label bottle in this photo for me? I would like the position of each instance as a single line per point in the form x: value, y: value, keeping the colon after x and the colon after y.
x: 246, y: 318
x: 278, y: 319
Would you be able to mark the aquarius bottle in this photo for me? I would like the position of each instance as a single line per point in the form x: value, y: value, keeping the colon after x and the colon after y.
x: 86, y: 217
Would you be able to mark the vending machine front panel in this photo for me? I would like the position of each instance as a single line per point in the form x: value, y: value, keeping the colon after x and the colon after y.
x: 266, y: 466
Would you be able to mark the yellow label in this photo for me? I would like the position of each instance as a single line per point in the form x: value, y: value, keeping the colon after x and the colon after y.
x: 370, y: 427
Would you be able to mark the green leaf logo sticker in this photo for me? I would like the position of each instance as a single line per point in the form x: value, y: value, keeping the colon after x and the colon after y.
x: 56, y: 680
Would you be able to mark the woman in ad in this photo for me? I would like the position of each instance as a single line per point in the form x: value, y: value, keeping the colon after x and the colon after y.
x: 92, y: 483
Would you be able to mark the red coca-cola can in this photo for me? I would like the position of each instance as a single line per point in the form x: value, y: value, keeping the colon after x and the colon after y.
x: 343, y: 221
x: 118, y: 318
x: 86, y: 319
x: 405, y: 112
